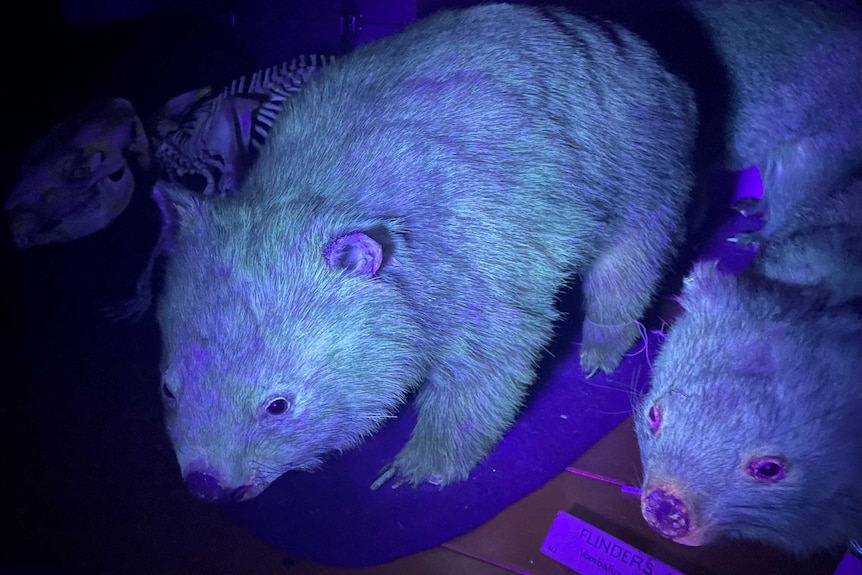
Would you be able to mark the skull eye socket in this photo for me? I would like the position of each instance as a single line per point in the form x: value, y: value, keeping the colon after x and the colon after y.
x: 768, y: 469
x: 118, y: 175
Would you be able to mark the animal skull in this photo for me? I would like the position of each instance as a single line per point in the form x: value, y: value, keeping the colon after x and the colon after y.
x: 79, y: 178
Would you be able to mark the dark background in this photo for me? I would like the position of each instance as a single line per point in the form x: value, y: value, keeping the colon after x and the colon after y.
x: 90, y: 481
x: 91, y: 485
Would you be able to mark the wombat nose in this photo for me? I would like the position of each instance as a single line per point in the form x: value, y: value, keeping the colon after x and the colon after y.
x: 204, y: 486
x: 666, y: 513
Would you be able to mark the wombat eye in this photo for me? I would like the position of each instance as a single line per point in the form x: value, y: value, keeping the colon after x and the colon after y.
x: 278, y: 406
x: 654, y: 417
x: 767, y: 469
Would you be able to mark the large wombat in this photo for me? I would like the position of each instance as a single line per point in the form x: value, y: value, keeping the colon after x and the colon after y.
x: 753, y: 425
x: 408, y: 226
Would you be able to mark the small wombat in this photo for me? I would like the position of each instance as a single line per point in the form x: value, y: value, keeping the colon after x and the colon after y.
x: 753, y: 425
x: 407, y: 227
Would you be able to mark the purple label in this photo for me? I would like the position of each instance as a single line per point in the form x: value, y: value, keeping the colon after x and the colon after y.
x: 590, y: 551
x: 850, y: 565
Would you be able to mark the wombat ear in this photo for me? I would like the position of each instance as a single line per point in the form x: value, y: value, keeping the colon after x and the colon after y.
x: 357, y: 254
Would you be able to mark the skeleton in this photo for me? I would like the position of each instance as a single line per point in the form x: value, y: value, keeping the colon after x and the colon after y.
x: 218, y: 138
x: 79, y: 178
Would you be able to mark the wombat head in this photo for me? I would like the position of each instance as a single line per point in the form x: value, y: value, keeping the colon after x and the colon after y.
x: 282, y: 339
x: 753, y: 425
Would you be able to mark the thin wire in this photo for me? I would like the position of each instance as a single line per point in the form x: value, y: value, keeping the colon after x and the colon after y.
x: 624, y: 487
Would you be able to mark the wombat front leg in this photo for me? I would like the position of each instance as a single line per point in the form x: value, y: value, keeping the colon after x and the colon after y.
x: 616, y: 292
x: 464, y: 410
x: 793, y: 174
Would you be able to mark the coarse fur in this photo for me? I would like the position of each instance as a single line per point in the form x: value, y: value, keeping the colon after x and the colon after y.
x: 768, y: 366
x: 494, y: 153
x: 795, y: 76
x: 756, y: 368
x: 817, y: 242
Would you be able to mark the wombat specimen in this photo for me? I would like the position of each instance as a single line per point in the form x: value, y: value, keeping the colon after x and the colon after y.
x: 417, y: 209
x: 407, y: 227
x: 752, y: 427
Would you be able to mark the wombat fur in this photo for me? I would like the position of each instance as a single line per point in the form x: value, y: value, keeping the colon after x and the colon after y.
x: 794, y: 71
x: 752, y: 426
x: 413, y: 216
x: 816, y: 242
x: 407, y: 227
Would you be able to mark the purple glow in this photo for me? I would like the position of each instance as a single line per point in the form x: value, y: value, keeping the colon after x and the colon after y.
x: 196, y: 360
x: 356, y: 253
x: 749, y: 185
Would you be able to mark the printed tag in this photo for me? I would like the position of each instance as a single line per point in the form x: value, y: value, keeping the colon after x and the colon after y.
x: 850, y: 565
x: 590, y: 551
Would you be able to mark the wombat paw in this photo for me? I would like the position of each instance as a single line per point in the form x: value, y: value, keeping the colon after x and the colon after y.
x: 750, y: 207
x: 747, y: 239
x: 594, y: 361
x: 603, y: 347
x: 415, y: 471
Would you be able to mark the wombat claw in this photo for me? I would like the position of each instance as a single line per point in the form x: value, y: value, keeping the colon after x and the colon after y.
x: 746, y: 239
x: 387, y: 473
x: 131, y: 310
x: 749, y: 207
x: 600, y: 357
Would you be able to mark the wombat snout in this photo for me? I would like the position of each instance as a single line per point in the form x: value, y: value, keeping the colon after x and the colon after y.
x: 207, y: 488
x: 667, y: 513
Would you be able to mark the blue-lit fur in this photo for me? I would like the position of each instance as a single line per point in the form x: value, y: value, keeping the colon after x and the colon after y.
x: 500, y: 151
x: 759, y: 368
x: 819, y: 242
x: 770, y: 363
x: 795, y: 74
